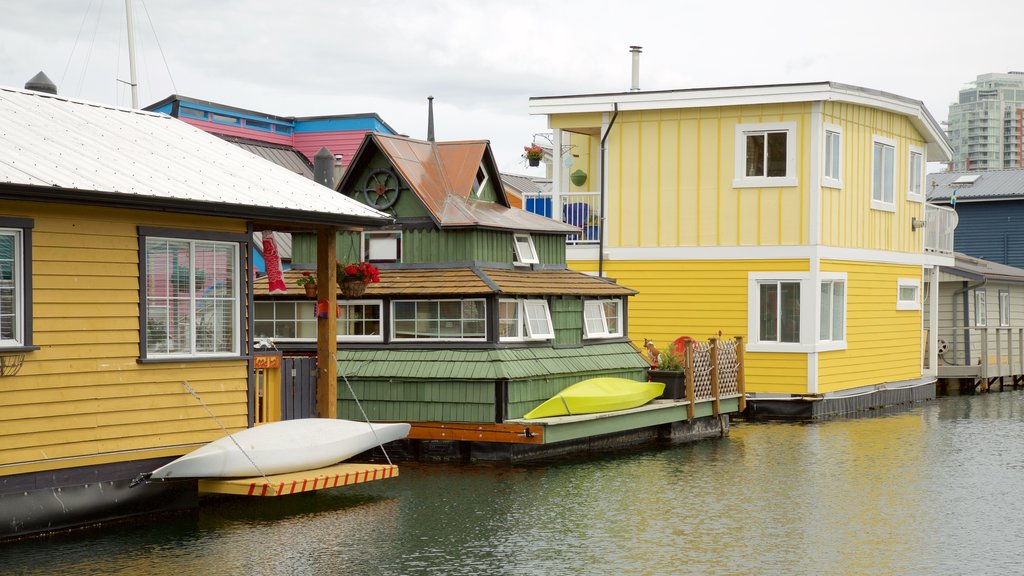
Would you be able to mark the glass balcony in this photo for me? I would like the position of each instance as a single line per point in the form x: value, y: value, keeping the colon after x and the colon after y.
x: 940, y: 222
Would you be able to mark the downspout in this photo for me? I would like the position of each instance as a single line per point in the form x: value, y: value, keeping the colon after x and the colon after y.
x: 604, y: 192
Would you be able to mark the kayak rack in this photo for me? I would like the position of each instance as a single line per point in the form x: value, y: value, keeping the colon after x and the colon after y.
x: 344, y: 474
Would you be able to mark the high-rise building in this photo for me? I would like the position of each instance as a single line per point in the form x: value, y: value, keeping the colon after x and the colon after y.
x: 986, y: 124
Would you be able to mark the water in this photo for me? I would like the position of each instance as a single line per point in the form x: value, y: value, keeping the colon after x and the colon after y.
x: 935, y: 490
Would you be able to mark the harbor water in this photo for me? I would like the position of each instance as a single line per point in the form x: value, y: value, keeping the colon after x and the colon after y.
x: 938, y: 489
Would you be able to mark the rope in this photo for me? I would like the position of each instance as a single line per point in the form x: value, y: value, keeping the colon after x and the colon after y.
x: 217, y: 420
x: 365, y: 417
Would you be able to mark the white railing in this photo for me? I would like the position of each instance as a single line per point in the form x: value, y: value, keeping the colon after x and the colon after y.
x: 580, y: 209
x: 940, y: 222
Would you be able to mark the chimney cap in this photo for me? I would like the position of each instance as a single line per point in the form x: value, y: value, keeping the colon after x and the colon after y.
x: 41, y: 83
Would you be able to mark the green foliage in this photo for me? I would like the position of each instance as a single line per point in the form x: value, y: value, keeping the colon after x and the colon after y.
x: 670, y: 361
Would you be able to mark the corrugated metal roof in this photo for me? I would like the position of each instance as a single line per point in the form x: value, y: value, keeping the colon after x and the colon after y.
x: 526, y: 184
x: 990, y: 185
x: 460, y: 282
x: 283, y: 156
x: 977, y: 268
x: 61, y: 148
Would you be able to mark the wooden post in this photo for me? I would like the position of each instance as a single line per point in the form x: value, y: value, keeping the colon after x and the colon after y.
x: 741, y: 380
x: 984, y: 357
x: 327, y: 328
x: 690, y: 378
x: 713, y: 352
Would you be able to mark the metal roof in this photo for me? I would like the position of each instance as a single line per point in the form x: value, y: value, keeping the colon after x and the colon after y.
x: 990, y: 185
x: 64, y: 150
x: 976, y: 268
x: 526, y: 184
x: 284, y: 156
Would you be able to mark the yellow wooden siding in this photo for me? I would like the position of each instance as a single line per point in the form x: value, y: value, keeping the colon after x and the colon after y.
x: 701, y: 299
x: 884, y: 344
x: 847, y: 219
x: 82, y: 398
x: 670, y: 176
x: 585, y: 153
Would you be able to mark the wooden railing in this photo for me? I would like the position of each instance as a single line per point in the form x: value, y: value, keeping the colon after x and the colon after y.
x: 987, y: 352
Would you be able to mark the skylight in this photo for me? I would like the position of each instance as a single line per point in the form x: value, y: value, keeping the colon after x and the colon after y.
x: 967, y: 179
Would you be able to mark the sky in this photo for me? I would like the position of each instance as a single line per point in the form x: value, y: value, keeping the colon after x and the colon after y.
x: 483, y: 59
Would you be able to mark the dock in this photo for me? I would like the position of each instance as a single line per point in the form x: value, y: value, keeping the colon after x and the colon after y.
x: 335, y: 476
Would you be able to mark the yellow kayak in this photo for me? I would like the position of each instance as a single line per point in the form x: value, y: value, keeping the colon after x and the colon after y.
x: 598, y: 395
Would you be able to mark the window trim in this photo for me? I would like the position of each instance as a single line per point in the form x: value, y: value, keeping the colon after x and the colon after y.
x: 911, y: 195
x: 392, y: 335
x: 841, y: 343
x: 837, y: 180
x: 365, y: 246
x: 480, y: 183
x: 754, y: 280
x: 1004, y: 295
x: 980, y: 307
x: 535, y: 259
x: 914, y: 304
x: 740, y: 178
x: 550, y: 335
x: 881, y: 204
x: 21, y: 228
x: 600, y: 303
x: 312, y: 304
x: 241, y: 302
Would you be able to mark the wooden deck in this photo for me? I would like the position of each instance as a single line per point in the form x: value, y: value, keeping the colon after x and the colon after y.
x: 344, y: 474
x: 982, y: 356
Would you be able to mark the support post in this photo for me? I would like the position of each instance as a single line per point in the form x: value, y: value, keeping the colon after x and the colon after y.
x: 689, y: 378
x: 741, y: 379
x: 713, y: 353
x: 327, y: 328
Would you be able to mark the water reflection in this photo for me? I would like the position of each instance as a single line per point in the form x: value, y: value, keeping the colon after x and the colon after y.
x: 915, y: 492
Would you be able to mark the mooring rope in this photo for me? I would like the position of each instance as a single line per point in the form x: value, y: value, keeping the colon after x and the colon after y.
x: 365, y: 417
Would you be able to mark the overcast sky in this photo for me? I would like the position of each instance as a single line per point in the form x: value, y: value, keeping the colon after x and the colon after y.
x: 483, y: 59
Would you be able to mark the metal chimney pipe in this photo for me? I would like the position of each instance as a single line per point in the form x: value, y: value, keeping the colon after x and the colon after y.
x: 323, y: 167
x: 635, y: 50
x: 41, y: 83
x: 430, y: 118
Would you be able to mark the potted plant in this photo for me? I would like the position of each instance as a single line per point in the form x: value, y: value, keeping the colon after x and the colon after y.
x: 308, y: 283
x: 578, y: 178
x: 533, y: 153
x: 353, y: 278
x: 670, y: 372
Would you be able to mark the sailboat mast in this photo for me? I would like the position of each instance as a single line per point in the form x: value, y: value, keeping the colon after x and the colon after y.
x: 131, y: 52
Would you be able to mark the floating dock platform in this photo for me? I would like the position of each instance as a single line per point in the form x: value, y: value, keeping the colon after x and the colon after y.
x: 344, y: 474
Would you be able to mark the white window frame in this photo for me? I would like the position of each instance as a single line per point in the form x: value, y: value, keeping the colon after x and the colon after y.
x: 832, y: 180
x: 980, y: 307
x: 19, y: 264
x: 915, y: 189
x: 235, y: 298
x: 597, y: 311
x: 740, y: 179
x: 833, y: 343
x: 478, y: 185
x: 521, y: 258
x: 1004, y: 308
x: 520, y: 329
x: 531, y: 312
x: 368, y: 241
x: 904, y: 304
x: 305, y: 311
x: 394, y: 335
x: 754, y: 281
x: 878, y: 201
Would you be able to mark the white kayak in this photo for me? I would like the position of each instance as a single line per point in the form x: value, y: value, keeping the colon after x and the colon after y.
x: 282, y: 447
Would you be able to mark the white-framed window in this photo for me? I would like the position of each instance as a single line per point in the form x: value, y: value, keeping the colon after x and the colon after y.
x: 832, y: 312
x: 382, y: 247
x: 295, y: 320
x: 832, y: 171
x: 1004, y: 308
x: 883, y: 173
x: 191, y: 295
x: 15, y: 283
x: 915, y: 174
x: 521, y: 319
x: 778, y: 311
x: 438, y: 320
x: 765, y: 155
x: 479, y: 181
x: 908, y: 294
x: 602, y: 318
x: 525, y: 251
x: 980, y: 308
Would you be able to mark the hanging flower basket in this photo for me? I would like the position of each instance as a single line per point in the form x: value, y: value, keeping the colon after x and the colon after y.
x: 534, y: 161
x: 352, y: 287
x: 353, y: 278
x: 533, y: 154
x: 310, y: 290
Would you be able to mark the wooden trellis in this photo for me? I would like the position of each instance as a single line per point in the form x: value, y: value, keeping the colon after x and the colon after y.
x: 714, y: 369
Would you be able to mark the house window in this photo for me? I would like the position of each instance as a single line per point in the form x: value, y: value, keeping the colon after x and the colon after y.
x: 510, y: 320
x: 1004, y: 308
x: 191, y: 297
x: 15, y: 282
x: 908, y: 294
x: 382, y: 247
x: 831, y: 172
x: 525, y: 252
x: 778, y: 311
x: 358, y: 320
x: 915, y: 175
x: 833, y: 311
x: 538, y: 320
x: 479, y: 182
x: 765, y: 155
x: 980, y: 308
x: 602, y: 318
x: 883, y: 170
x: 439, y: 320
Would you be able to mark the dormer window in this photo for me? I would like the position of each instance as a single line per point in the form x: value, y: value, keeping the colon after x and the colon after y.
x: 383, y: 247
x: 479, y: 181
x: 525, y: 252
